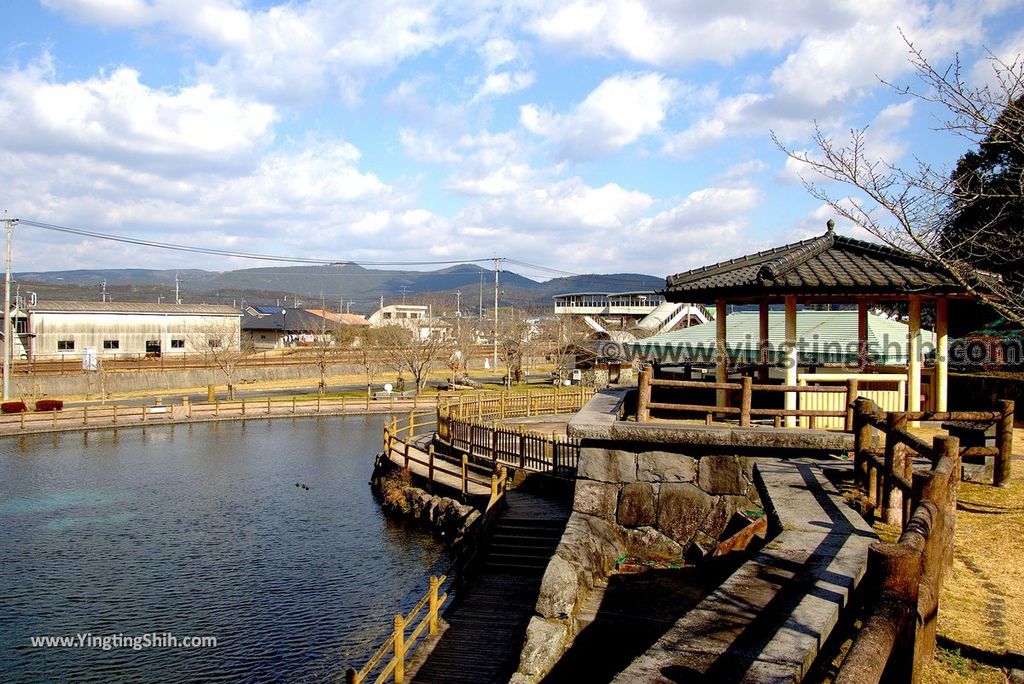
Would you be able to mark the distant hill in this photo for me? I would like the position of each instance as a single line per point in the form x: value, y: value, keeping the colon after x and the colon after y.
x: 342, y: 285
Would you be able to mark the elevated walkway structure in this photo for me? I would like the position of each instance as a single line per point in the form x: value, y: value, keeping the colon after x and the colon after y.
x: 487, y: 623
x: 668, y: 315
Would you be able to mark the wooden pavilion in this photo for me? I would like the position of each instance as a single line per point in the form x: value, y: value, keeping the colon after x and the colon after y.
x: 829, y: 268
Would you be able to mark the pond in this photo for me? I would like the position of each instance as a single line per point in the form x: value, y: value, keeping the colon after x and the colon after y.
x: 197, y: 531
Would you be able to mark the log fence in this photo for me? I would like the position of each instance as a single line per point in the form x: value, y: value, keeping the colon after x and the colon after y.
x: 745, y: 411
x: 904, y: 579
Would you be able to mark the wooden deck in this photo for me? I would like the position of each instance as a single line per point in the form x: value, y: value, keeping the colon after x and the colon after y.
x: 487, y: 624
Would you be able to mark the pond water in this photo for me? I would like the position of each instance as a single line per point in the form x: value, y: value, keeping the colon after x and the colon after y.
x: 201, y: 531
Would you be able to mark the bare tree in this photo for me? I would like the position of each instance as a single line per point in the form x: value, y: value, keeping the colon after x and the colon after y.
x: 220, y: 344
x: 563, y: 336
x: 911, y: 208
x: 416, y: 351
x: 515, y: 335
x: 327, y: 345
x: 369, y: 345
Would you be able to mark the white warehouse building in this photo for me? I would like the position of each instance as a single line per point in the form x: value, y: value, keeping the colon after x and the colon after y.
x: 67, y: 329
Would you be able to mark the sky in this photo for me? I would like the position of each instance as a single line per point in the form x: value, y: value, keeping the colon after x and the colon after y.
x: 581, y: 136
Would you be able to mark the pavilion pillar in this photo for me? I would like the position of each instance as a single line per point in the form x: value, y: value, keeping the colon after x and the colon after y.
x: 862, y: 334
x: 790, y: 361
x: 762, y: 327
x: 721, y: 354
x: 914, y: 355
x: 941, y: 354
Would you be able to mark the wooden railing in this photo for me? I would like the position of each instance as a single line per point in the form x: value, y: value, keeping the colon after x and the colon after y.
x: 500, y: 405
x: 389, y: 661
x: 745, y: 411
x: 554, y: 453
x: 462, y: 430
x: 904, y: 579
x: 404, y: 444
x: 400, y: 645
x: 886, y: 473
x: 113, y: 415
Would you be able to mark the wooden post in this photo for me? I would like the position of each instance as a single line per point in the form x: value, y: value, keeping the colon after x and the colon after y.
x: 351, y: 676
x: 862, y: 333
x: 721, y: 353
x: 501, y: 411
x: 914, y: 357
x: 430, y: 463
x: 55, y: 416
x: 764, y: 358
x: 407, y: 453
x: 745, y: 397
x: 643, y: 411
x: 791, y: 358
x: 941, y: 389
x: 1004, y: 439
x: 115, y: 412
x: 465, y: 468
x: 494, y: 486
x: 268, y: 406
x: 243, y: 407
x: 22, y: 415
x: 293, y: 405
x: 435, y: 583
x: 343, y: 403
x: 895, y: 453
x: 522, y: 448
x: 399, y: 649
x: 85, y: 415
x: 851, y: 396
x: 861, y: 442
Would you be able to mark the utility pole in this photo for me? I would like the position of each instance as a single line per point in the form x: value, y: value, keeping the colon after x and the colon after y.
x: 177, y: 292
x: 481, y: 309
x: 497, y: 267
x: 103, y: 289
x: 9, y: 223
x: 458, y: 313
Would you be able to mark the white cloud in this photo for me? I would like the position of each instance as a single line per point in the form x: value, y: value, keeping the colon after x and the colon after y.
x: 498, y: 51
x: 505, y: 83
x: 118, y: 117
x: 621, y: 110
x: 289, y: 52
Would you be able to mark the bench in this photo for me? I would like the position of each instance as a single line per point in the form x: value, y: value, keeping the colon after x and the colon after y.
x: 768, y: 621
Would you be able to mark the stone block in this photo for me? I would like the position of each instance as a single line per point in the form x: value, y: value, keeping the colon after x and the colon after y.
x: 662, y: 466
x: 560, y: 589
x: 649, y: 544
x: 596, y: 498
x: 682, y: 510
x: 607, y: 465
x: 725, y: 507
x: 545, y: 642
x: 636, y: 505
x: 721, y: 475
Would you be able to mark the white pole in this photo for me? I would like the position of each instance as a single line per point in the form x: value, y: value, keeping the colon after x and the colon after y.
x: 497, y: 265
x: 7, y: 311
x: 791, y: 357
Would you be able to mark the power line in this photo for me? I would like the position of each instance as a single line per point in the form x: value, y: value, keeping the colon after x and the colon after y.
x: 235, y: 254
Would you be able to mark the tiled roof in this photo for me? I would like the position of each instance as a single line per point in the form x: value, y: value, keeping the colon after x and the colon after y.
x: 134, y: 308
x: 827, y: 264
x: 295, y: 320
x: 822, y: 336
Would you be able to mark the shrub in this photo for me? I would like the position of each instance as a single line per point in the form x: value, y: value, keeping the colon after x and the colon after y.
x: 49, y: 405
x: 13, y: 407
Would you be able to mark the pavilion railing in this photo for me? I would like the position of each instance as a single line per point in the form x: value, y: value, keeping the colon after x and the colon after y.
x: 745, y: 411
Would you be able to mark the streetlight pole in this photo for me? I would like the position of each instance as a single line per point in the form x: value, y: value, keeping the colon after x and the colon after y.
x: 7, y: 310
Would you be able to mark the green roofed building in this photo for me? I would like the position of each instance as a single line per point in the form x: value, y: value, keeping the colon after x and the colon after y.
x: 822, y: 337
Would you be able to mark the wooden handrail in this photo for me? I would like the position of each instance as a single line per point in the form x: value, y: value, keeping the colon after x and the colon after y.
x: 399, y: 644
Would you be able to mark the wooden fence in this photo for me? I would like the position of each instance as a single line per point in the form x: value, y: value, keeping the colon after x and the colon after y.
x: 462, y: 429
x: 904, y: 579
x: 745, y: 411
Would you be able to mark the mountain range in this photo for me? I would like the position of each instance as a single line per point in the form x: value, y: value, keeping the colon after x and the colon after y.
x: 347, y: 285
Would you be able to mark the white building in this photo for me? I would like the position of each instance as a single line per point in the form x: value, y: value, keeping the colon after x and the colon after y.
x: 645, y: 310
x: 59, y: 330
x: 415, y: 317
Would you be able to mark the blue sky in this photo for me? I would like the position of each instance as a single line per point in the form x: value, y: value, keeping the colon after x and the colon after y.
x: 628, y: 135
